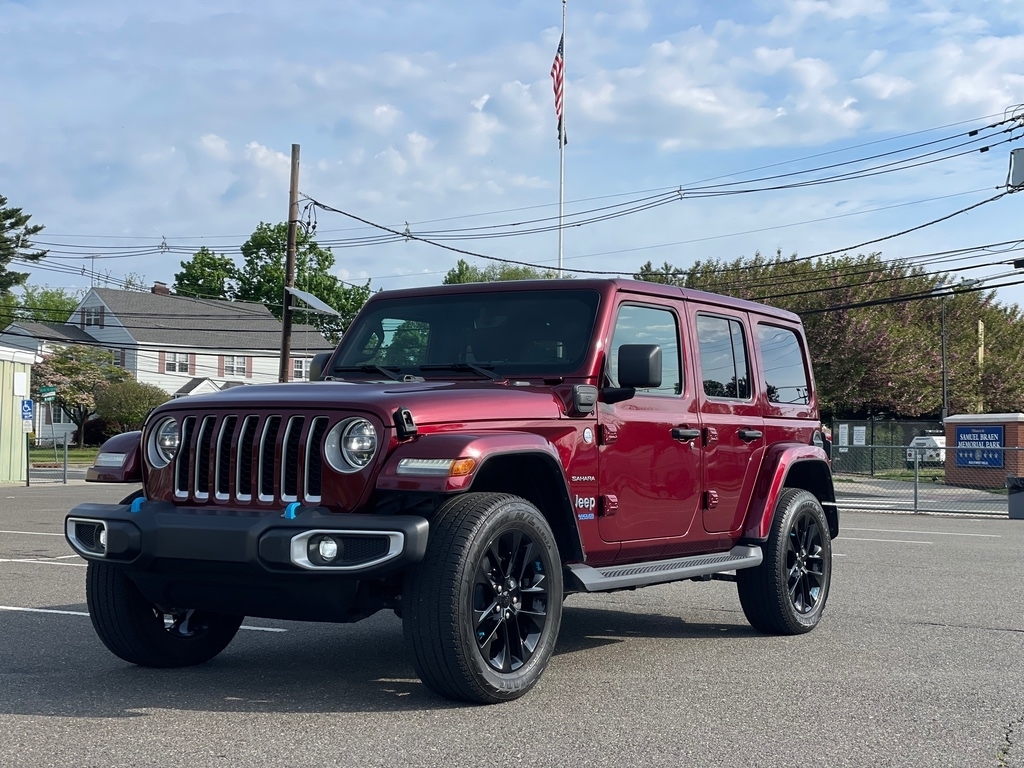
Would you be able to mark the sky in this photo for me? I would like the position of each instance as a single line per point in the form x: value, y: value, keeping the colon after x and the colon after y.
x: 138, y: 132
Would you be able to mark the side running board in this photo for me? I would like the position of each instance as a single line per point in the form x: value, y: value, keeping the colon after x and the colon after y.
x: 605, y: 578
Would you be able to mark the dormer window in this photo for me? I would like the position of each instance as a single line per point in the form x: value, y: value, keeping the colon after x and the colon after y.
x: 92, y: 316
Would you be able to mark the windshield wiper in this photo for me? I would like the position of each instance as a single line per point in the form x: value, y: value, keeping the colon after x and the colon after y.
x: 386, y: 371
x: 481, y: 369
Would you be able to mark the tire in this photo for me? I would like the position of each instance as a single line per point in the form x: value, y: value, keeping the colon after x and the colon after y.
x: 140, y: 633
x: 786, y: 593
x: 481, y: 611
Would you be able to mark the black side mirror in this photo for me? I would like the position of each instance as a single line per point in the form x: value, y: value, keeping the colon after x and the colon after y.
x: 639, y: 366
x: 317, y: 365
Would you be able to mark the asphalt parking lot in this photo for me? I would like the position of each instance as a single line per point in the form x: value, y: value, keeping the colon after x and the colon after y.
x: 919, y: 661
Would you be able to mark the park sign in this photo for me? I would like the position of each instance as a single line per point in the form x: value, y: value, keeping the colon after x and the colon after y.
x: 980, y: 446
x: 48, y: 393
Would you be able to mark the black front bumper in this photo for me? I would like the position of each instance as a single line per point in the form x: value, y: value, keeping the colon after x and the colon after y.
x: 146, y: 534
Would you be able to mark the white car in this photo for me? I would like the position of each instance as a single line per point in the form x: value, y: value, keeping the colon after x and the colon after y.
x: 929, y: 449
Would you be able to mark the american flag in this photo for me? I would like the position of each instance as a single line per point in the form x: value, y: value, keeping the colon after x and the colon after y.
x: 556, y: 78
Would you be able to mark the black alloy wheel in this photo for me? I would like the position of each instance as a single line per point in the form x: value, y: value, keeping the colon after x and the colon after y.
x: 481, y: 611
x: 787, y: 592
x: 805, y: 563
x: 510, y: 599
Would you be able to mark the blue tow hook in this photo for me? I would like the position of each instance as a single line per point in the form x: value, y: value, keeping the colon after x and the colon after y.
x: 137, y: 505
x: 290, y: 510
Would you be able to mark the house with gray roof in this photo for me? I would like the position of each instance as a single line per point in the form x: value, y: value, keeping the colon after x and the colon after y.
x: 181, y: 344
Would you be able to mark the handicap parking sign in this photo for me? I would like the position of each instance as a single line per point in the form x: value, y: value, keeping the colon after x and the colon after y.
x: 27, y: 410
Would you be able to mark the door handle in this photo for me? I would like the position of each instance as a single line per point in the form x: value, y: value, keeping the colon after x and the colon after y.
x: 746, y: 435
x: 685, y: 435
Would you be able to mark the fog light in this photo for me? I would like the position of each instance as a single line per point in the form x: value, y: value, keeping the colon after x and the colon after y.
x: 103, y: 538
x: 328, y: 549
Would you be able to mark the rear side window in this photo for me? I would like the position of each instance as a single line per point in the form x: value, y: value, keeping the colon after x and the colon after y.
x: 647, y: 325
x: 725, y: 369
x: 785, y: 375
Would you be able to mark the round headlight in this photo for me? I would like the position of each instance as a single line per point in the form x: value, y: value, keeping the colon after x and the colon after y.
x: 164, y: 443
x: 350, y: 445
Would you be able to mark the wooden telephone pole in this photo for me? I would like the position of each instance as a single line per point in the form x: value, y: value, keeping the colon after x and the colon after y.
x: 289, y: 266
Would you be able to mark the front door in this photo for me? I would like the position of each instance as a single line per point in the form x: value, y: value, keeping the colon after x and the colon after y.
x: 650, y: 456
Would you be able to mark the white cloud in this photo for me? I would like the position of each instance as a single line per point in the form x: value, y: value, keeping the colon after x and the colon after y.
x: 885, y: 87
x: 214, y: 146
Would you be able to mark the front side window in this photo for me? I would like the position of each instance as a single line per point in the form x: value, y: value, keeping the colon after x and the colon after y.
x: 724, y: 365
x: 649, y: 325
x: 92, y: 316
x: 544, y: 332
x: 176, y: 362
x: 785, y: 375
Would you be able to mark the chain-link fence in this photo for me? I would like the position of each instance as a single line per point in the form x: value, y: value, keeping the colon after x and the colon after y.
x: 48, y: 462
x: 928, y: 478
x: 876, y: 446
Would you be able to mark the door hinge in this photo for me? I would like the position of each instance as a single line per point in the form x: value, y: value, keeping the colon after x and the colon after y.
x: 710, y: 499
x: 609, y: 505
x: 710, y: 436
x: 608, y: 433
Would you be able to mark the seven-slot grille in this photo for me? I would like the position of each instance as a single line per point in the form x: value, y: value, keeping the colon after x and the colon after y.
x: 245, y: 458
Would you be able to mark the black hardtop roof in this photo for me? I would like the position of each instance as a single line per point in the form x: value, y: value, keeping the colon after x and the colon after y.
x: 604, y: 286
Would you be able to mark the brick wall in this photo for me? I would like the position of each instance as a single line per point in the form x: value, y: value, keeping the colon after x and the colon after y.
x: 984, y: 477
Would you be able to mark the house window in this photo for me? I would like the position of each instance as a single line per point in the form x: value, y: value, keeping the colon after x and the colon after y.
x: 93, y: 316
x: 234, y: 365
x: 300, y: 369
x: 118, y: 357
x: 176, y: 362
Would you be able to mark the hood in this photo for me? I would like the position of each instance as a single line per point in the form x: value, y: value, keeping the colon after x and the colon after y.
x: 431, y: 402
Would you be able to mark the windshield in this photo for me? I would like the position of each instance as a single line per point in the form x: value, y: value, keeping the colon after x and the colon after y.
x: 525, y: 332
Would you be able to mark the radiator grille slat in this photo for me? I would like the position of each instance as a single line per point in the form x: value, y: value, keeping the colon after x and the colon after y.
x: 268, y: 457
x: 290, y: 459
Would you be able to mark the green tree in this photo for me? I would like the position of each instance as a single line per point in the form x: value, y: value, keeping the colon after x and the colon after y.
x: 882, y: 358
x: 79, y: 373
x: 206, y: 275
x: 125, y: 404
x: 15, y: 243
x: 464, y: 272
x: 261, y: 279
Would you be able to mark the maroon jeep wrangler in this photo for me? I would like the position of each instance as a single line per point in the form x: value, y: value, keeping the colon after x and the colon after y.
x: 467, y: 457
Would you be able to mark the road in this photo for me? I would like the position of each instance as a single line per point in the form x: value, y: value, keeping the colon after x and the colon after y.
x: 918, y: 661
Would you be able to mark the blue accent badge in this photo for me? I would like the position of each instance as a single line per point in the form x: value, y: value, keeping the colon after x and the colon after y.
x: 137, y: 505
x: 289, y: 511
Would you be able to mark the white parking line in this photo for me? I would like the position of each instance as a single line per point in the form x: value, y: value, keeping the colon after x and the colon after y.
x: 83, y: 613
x: 40, y: 562
x: 922, y: 533
x: 887, y: 541
x: 32, y: 533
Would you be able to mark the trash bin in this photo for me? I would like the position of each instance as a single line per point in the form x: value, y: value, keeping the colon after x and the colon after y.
x: 1015, y: 485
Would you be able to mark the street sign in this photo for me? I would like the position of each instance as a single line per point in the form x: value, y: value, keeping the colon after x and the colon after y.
x: 28, y: 411
x: 48, y: 393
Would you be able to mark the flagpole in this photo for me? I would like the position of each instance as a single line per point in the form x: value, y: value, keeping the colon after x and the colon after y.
x: 561, y: 152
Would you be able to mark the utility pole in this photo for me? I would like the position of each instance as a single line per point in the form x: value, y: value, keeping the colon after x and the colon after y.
x: 289, y: 266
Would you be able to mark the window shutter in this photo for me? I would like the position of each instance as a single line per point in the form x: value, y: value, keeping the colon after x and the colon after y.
x: 162, y: 363
x: 248, y: 367
x: 220, y: 366
x: 191, y: 365
x: 81, y: 318
x: 102, y: 314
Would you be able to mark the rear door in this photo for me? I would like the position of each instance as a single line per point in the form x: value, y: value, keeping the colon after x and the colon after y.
x: 730, y: 414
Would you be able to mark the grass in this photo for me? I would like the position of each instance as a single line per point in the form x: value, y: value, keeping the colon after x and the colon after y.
x: 85, y: 455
